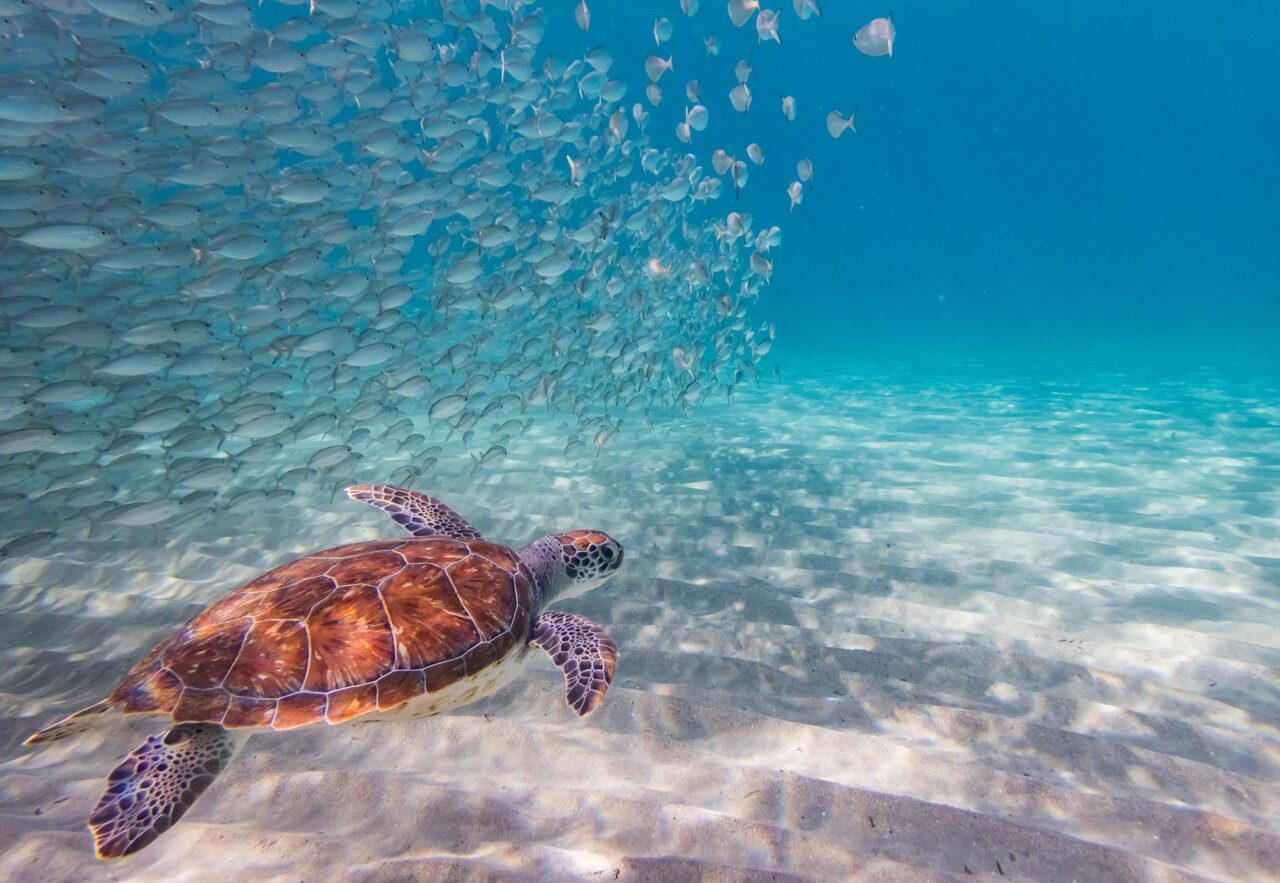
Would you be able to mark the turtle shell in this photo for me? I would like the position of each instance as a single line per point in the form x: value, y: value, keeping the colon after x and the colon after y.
x: 336, y: 634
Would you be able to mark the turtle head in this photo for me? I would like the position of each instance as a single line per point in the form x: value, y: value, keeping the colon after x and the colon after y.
x: 589, y: 557
x: 571, y: 564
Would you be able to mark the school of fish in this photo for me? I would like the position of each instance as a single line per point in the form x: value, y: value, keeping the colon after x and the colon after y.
x: 310, y: 232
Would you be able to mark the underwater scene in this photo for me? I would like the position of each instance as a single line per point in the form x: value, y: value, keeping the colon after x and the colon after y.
x: 763, y: 440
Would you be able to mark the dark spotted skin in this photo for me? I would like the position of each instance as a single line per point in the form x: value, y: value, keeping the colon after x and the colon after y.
x: 340, y: 633
x: 589, y: 553
x: 581, y: 649
x: 419, y: 514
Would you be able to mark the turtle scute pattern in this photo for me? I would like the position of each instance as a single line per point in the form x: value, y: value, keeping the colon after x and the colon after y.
x: 337, y: 634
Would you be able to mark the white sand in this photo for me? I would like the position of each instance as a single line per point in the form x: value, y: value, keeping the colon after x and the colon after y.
x: 872, y: 631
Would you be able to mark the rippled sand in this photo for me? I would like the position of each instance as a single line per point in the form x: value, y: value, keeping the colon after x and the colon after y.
x: 874, y: 627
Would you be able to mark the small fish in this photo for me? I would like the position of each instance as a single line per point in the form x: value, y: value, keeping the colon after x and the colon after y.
x: 603, y: 437
x: 72, y: 391
x: 164, y: 420
x: 789, y: 108
x: 582, y: 15
x: 29, y: 108
x: 740, y: 98
x: 681, y: 361
x: 742, y: 70
x: 804, y: 169
x: 19, y: 168
x: 141, y: 514
x: 138, y: 364
x: 26, y: 544
x: 266, y: 426
x: 618, y: 124
x: 371, y: 354
x: 767, y: 27
x: 65, y: 237
x: 317, y: 424
x: 755, y: 153
x: 689, y: 7
x: 837, y: 125
x: 22, y: 441
x: 740, y: 11
x: 806, y: 8
x: 553, y: 266
x: 490, y: 457
x: 576, y: 172
x: 655, y: 67
x: 656, y: 269
x: 761, y: 266
x: 711, y: 45
x: 600, y: 59
x: 795, y: 190
x: 330, y: 456
x: 661, y: 31
x: 446, y: 407
x: 876, y: 37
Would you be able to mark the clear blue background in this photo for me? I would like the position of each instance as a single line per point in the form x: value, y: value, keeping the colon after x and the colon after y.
x: 1094, y: 173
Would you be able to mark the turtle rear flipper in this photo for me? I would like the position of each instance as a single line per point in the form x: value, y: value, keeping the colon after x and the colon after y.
x: 72, y: 724
x: 156, y: 784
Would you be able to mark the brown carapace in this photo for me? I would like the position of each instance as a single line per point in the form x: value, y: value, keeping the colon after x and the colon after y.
x: 340, y: 633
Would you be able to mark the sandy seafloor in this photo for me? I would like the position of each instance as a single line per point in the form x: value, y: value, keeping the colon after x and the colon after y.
x: 888, y: 624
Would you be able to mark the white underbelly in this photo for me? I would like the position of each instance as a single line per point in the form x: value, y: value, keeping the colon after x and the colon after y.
x: 461, y: 692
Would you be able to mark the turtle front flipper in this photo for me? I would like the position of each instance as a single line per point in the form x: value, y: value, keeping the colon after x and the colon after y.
x: 583, y: 651
x: 159, y: 780
x: 419, y: 514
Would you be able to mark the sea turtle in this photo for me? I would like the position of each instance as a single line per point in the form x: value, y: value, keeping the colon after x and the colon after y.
x: 413, y: 625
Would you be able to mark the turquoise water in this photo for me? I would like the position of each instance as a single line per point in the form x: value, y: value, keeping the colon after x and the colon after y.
x: 947, y: 494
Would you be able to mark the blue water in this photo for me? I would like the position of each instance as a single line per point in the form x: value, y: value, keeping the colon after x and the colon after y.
x: 974, y: 569
x: 1068, y: 173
